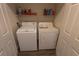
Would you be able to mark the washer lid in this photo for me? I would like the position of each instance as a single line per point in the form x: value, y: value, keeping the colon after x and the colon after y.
x: 29, y: 24
x: 53, y: 29
x: 26, y: 29
x: 45, y: 25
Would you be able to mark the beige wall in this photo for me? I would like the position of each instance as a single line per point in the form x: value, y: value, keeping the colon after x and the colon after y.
x: 10, y: 13
x: 10, y: 9
x: 12, y: 6
x: 61, y: 15
x: 37, y: 7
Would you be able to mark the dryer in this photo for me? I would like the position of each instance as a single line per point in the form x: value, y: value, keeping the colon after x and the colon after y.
x: 47, y: 35
x: 27, y: 36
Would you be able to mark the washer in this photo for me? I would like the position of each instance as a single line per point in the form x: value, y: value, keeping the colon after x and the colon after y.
x: 47, y: 35
x: 27, y: 36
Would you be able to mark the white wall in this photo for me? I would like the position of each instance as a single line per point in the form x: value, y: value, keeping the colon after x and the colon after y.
x: 37, y: 7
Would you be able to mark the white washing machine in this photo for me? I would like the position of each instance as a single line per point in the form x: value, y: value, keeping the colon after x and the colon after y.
x: 27, y: 36
x: 47, y: 35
